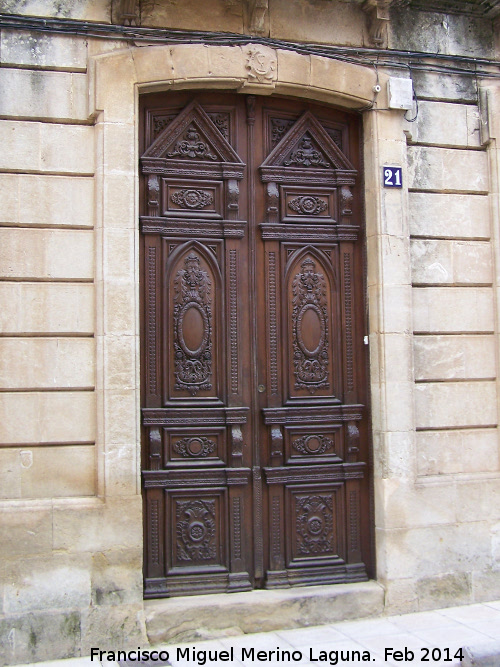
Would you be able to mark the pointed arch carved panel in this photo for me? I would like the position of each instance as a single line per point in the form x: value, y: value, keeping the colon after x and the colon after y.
x: 193, y: 284
x: 310, y: 324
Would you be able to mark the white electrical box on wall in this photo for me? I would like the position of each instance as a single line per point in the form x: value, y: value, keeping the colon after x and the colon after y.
x: 400, y: 93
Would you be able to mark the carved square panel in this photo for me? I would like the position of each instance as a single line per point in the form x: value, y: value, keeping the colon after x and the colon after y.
x: 193, y: 199
x: 313, y: 444
x: 189, y: 447
x: 308, y: 205
x: 197, y: 529
x: 315, y: 518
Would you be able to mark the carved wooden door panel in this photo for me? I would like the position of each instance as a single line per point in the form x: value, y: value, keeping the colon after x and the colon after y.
x: 255, y: 426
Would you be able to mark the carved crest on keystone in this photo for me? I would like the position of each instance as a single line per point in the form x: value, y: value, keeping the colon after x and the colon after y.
x: 261, y: 64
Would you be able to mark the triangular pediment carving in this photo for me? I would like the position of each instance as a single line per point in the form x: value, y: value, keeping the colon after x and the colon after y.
x: 307, y: 152
x: 192, y: 142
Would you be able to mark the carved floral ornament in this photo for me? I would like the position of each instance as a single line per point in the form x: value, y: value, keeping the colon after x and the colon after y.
x: 312, y: 444
x: 196, y: 530
x: 306, y: 155
x: 314, y: 525
x: 279, y: 127
x: 308, y: 205
x: 192, y: 146
x: 194, y: 447
x: 191, y: 198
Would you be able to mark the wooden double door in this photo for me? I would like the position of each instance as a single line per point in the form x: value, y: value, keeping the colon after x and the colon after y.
x: 254, y: 390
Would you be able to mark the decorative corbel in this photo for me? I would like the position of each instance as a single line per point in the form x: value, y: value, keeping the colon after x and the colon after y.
x: 273, y: 198
x: 126, y: 12
x: 276, y: 444
x: 233, y: 194
x: 352, y: 442
x: 237, y: 445
x: 378, y: 20
x: 486, y: 128
x: 153, y: 194
x: 258, y: 20
x: 346, y: 199
x: 155, y: 448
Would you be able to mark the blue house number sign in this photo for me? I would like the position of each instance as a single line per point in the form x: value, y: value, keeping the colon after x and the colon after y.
x: 393, y: 177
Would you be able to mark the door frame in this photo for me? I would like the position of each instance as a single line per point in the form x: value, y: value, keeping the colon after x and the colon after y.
x: 118, y: 78
x: 171, y: 409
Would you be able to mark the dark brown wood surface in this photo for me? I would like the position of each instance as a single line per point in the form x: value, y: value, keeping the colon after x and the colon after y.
x: 255, y: 438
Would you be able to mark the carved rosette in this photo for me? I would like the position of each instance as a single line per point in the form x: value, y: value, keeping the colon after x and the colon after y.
x: 196, y: 530
x: 312, y: 444
x: 195, y: 447
x: 314, y: 522
x: 309, y: 293
x: 192, y: 147
x: 191, y: 199
x: 192, y: 289
x: 308, y: 205
x: 306, y: 155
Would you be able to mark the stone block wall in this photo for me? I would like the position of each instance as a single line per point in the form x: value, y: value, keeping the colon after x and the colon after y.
x: 70, y: 553
x: 455, y: 351
x: 47, y: 355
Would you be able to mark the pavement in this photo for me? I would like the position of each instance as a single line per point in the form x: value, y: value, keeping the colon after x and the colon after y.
x: 430, y: 638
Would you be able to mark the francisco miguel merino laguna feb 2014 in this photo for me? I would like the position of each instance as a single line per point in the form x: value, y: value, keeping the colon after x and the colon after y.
x: 204, y: 657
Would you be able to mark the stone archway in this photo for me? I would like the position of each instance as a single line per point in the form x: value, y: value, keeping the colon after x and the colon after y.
x: 118, y: 77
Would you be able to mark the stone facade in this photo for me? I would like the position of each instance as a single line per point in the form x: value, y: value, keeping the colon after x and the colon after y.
x: 71, y: 511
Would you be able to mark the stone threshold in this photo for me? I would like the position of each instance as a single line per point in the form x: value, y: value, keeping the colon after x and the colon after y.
x: 202, y: 617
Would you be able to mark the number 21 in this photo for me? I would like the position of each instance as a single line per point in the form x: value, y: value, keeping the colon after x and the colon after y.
x: 389, y: 175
